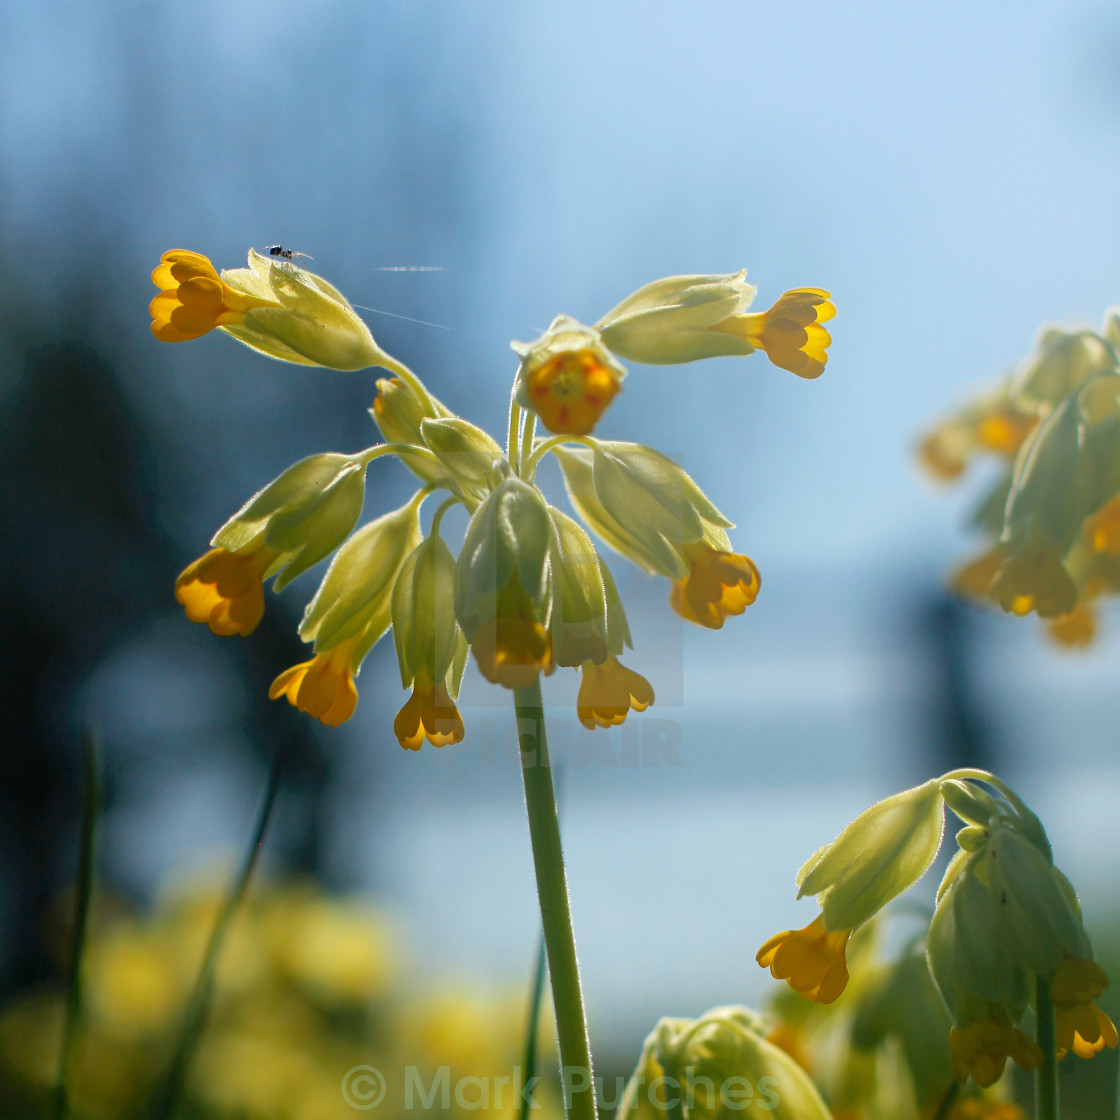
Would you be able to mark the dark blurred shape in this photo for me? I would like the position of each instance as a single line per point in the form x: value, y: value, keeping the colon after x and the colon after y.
x: 956, y: 731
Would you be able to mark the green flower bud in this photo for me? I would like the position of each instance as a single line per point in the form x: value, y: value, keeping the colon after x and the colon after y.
x: 1068, y: 469
x: 882, y: 853
x: 718, y: 1067
x: 300, y: 517
x: 969, y: 961
x: 299, y: 317
x: 398, y: 411
x: 1037, y: 925
x: 467, y: 453
x: 579, y: 480
x: 356, y: 592
x: 969, y: 802
x: 579, y: 622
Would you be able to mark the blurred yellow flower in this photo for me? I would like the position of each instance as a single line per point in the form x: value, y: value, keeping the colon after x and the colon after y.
x: 1081, y: 1025
x: 981, y: 1050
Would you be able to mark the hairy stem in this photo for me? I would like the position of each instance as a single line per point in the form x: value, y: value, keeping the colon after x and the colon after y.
x: 552, y: 888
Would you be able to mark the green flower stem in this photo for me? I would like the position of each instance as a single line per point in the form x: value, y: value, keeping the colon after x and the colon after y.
x: 514, y: 429
x: 529, y: 465
x: 1046, y: 1076
x: 528, y: 431
x: 552, y: 888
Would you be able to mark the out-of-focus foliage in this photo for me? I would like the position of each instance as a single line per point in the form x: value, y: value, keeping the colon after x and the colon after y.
x: 310, y: 988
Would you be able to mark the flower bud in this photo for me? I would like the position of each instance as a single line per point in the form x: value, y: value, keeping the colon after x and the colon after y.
x: 714, y: 1068
x: 428, y: 641
x: 467, y: 453
x: 356, y: 592
x: 882, y: 853
x: 567, y: 377
x: 504, y: 585
x: 579, y: 621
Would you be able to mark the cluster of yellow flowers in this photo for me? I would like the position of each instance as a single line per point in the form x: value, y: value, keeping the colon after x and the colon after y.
x: 1053, y: 518
x: 1006, y: 933
x: 309, y: 988
x: 528, y: 590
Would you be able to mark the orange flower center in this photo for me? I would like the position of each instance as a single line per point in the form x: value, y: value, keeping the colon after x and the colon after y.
x: 571, y: 391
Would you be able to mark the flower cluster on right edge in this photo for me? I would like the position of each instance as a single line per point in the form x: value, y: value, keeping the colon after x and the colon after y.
x: 1053, y: 517
x: 1007, y: 926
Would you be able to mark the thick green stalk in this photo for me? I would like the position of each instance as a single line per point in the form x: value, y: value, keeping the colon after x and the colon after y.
x: 552, y: 888
x: 1046, y: 1077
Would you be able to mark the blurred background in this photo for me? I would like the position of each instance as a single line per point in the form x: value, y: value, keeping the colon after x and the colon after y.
x: 950, y: 172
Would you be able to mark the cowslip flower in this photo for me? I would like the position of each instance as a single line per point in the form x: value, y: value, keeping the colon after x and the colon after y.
x: 567, y: 376
x: 274, y: 308
x: 1081, y: 1026
x: 882, y: 853
x: 530, y: 592
x: 646, y: 507
x: 686, y: 318
x: 1056, y: 425
x: 981, y: 1049
x: 283, y: 530
x: 504, y: 585
x: 431, y: 650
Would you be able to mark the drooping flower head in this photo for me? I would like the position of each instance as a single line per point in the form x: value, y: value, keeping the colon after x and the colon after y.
x: 528, y: 591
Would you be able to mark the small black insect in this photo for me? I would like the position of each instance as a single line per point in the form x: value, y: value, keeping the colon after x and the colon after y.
x: 284, y: 254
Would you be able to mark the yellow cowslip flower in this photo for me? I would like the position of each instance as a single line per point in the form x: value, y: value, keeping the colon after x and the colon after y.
x: 285, y: 312
x: 193, y: 298
x: 980, y: 1050
x: 514, y: 647
x: 790, y: 332
x: 504, y: 585
x: 1034, y: 580
x: 324, y: 686
x: 976, y: 1108
x: 429, y: 713
x: 1081, y: 1025
x: 607, y: 692
x: 1102, y: 530
x: 718, y: 584
x: 431, y: 649
x: 567, y: 376
x: 225, y: 589
x: 686, y: 318
x: 296, y: 520
x: 811, y: 960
